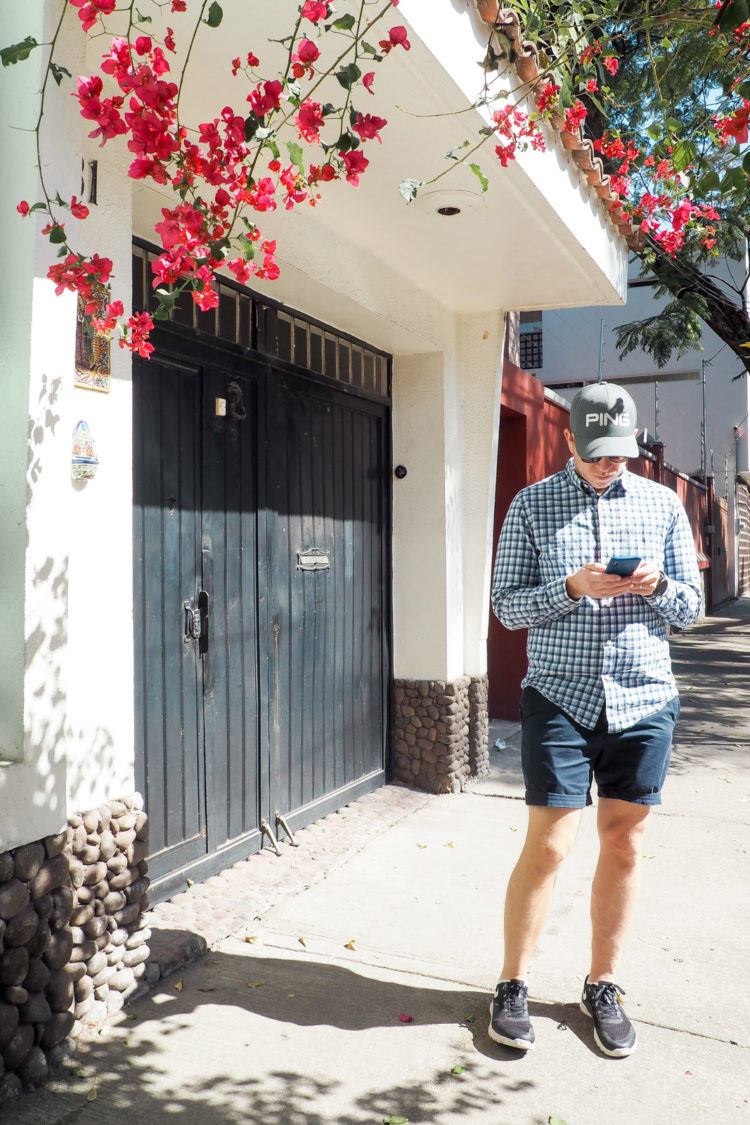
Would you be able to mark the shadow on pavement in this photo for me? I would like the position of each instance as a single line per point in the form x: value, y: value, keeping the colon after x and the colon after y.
x: 130, y: 1066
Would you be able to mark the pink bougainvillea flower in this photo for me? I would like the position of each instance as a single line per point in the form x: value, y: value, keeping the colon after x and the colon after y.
x: 143, y: 44
x: 406, y: 1019
x: 592, y: 86
x: 314, y: 11
x: 169, y: 42
x: 368, y: 127
x: 179, y: 5
x: 575, y: 115
x: 397, y: 37
x: 611, y: 64
x: 90, y: 10
x: 309, y: 121
x: 303, y: 58
x: 78, y: 210
x: 356, y: 162
x: 23, y: 208
x: 368, y: 80
x: 264, y: 100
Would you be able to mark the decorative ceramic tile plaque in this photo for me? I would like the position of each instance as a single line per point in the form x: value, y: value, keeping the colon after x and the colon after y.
x: 92, y: 364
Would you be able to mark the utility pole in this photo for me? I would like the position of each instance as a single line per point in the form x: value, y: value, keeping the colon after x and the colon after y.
x: 704, y: 365
x: 656, y: 410
x: 601, y: 352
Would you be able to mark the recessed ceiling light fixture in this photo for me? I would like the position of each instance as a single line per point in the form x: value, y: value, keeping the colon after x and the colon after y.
x: 448, y: 203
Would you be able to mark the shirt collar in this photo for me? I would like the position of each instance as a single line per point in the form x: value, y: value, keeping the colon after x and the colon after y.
x: 618, y: 487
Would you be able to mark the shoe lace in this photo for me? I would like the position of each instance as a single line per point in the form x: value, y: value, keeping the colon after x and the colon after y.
x: 607, y: 994
x: 514, y: 994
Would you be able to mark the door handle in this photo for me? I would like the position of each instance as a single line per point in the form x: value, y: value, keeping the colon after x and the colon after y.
x: 196, y: 621
x: 193, y: 623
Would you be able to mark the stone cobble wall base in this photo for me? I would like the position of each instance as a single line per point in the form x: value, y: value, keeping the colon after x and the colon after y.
x: 72, y: 942
x: 431, y: 733
x: 479, y: 726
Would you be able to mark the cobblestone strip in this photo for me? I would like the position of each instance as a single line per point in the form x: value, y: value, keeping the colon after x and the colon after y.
x: 184, y: 928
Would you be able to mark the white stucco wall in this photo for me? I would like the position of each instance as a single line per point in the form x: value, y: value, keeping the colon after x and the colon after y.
x: 67, y: 573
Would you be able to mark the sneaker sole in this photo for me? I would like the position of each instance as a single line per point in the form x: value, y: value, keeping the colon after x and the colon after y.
x: 519, y: 1044
x: 619, y: 1052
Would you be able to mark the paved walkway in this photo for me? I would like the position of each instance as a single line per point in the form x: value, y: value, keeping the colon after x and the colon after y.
x: 302, y: 1024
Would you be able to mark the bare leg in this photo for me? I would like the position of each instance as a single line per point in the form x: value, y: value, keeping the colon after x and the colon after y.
x: 549, y: 838
x: 621, y: 826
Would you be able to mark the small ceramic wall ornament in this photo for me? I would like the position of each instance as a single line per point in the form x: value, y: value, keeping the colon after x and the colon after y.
x: 93, y: 359
x: 84, y: 460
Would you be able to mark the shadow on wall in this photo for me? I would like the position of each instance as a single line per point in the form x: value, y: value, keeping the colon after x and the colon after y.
x: 238, y: 1060
x: 40, y: 807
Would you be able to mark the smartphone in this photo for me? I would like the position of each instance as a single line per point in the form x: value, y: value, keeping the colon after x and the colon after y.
x: 624, y: 565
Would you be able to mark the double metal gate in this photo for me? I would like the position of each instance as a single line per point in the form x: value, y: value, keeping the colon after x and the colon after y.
x: 262, y: 600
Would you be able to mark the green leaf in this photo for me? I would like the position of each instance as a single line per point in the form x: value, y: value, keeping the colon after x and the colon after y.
x: 368, y: 48
x: 57, y: 235
x: 409, y: 189
x: 140, y: 18
x: 480, y: 176
x: 296, y: 153
x: 712, y: 181
x: 251, y: 127
x: 348, y: 75
x: 215, y: 15
x: 553, y: 1119
x: 58, y: 71
x: 347, y: 142
x: 345, y: 23
x: 458, y: 1069
x: 394, y: 1120
x: 18, y: 52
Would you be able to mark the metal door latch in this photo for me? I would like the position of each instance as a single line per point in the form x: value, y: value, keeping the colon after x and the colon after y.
x: 280, y: 822
x: 266, y: 830
x: 193, y: 622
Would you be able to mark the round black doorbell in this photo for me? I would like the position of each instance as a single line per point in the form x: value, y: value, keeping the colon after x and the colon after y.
x: 400, y: 471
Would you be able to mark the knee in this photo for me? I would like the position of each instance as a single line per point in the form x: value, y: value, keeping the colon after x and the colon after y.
x: 623, y: 844
x: 548, y: 853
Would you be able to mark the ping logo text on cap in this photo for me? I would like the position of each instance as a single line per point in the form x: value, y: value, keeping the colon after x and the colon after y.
x: 604, y: 418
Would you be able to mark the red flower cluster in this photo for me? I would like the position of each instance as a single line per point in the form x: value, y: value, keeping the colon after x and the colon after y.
x: 733, y: 129
x: 519, y: 132
x: 368, y: 127
x: 575, y: 116
x: 81, y: 275
x: 90, y: 10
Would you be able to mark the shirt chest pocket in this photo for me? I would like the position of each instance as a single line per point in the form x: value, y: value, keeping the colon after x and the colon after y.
x: 643, y: 542
x: 567, y: 551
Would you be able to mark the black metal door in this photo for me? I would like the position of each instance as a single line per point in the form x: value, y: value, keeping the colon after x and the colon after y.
x: 170, y: 744
x: 261, y: 684
x: 328, y: 666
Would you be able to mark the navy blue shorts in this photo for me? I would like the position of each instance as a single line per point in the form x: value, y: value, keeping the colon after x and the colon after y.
x: 559, y: 757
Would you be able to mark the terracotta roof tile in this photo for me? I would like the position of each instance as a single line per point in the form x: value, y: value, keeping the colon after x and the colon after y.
x: 524, y: 57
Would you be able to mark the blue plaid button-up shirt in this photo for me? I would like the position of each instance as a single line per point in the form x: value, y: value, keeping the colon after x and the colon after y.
x: 589, y: 653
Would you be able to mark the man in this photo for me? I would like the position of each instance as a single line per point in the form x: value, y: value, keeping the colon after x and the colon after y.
x: 599, y: 699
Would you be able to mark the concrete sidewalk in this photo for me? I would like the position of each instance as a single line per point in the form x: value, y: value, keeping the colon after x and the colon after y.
x: 303, y: 1024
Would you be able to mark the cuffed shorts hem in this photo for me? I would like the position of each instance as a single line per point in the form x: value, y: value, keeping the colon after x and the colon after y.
x: 558, y: 800
x: 639, y: 799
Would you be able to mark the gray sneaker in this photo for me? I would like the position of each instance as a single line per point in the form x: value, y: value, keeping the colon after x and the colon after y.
x: 613, y: 1031
x: 509, y: 1016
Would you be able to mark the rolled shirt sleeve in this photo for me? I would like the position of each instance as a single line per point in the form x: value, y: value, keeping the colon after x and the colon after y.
x: 519, y: 601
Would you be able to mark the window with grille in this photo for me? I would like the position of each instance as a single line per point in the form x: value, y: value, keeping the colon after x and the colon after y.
x: 530, y: 340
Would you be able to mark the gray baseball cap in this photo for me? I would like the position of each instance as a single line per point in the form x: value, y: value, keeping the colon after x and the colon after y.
x: 603, y: 420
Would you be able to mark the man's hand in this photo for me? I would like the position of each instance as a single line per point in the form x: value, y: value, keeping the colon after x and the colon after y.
x: 592, y: 581
x: 644, y: 579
